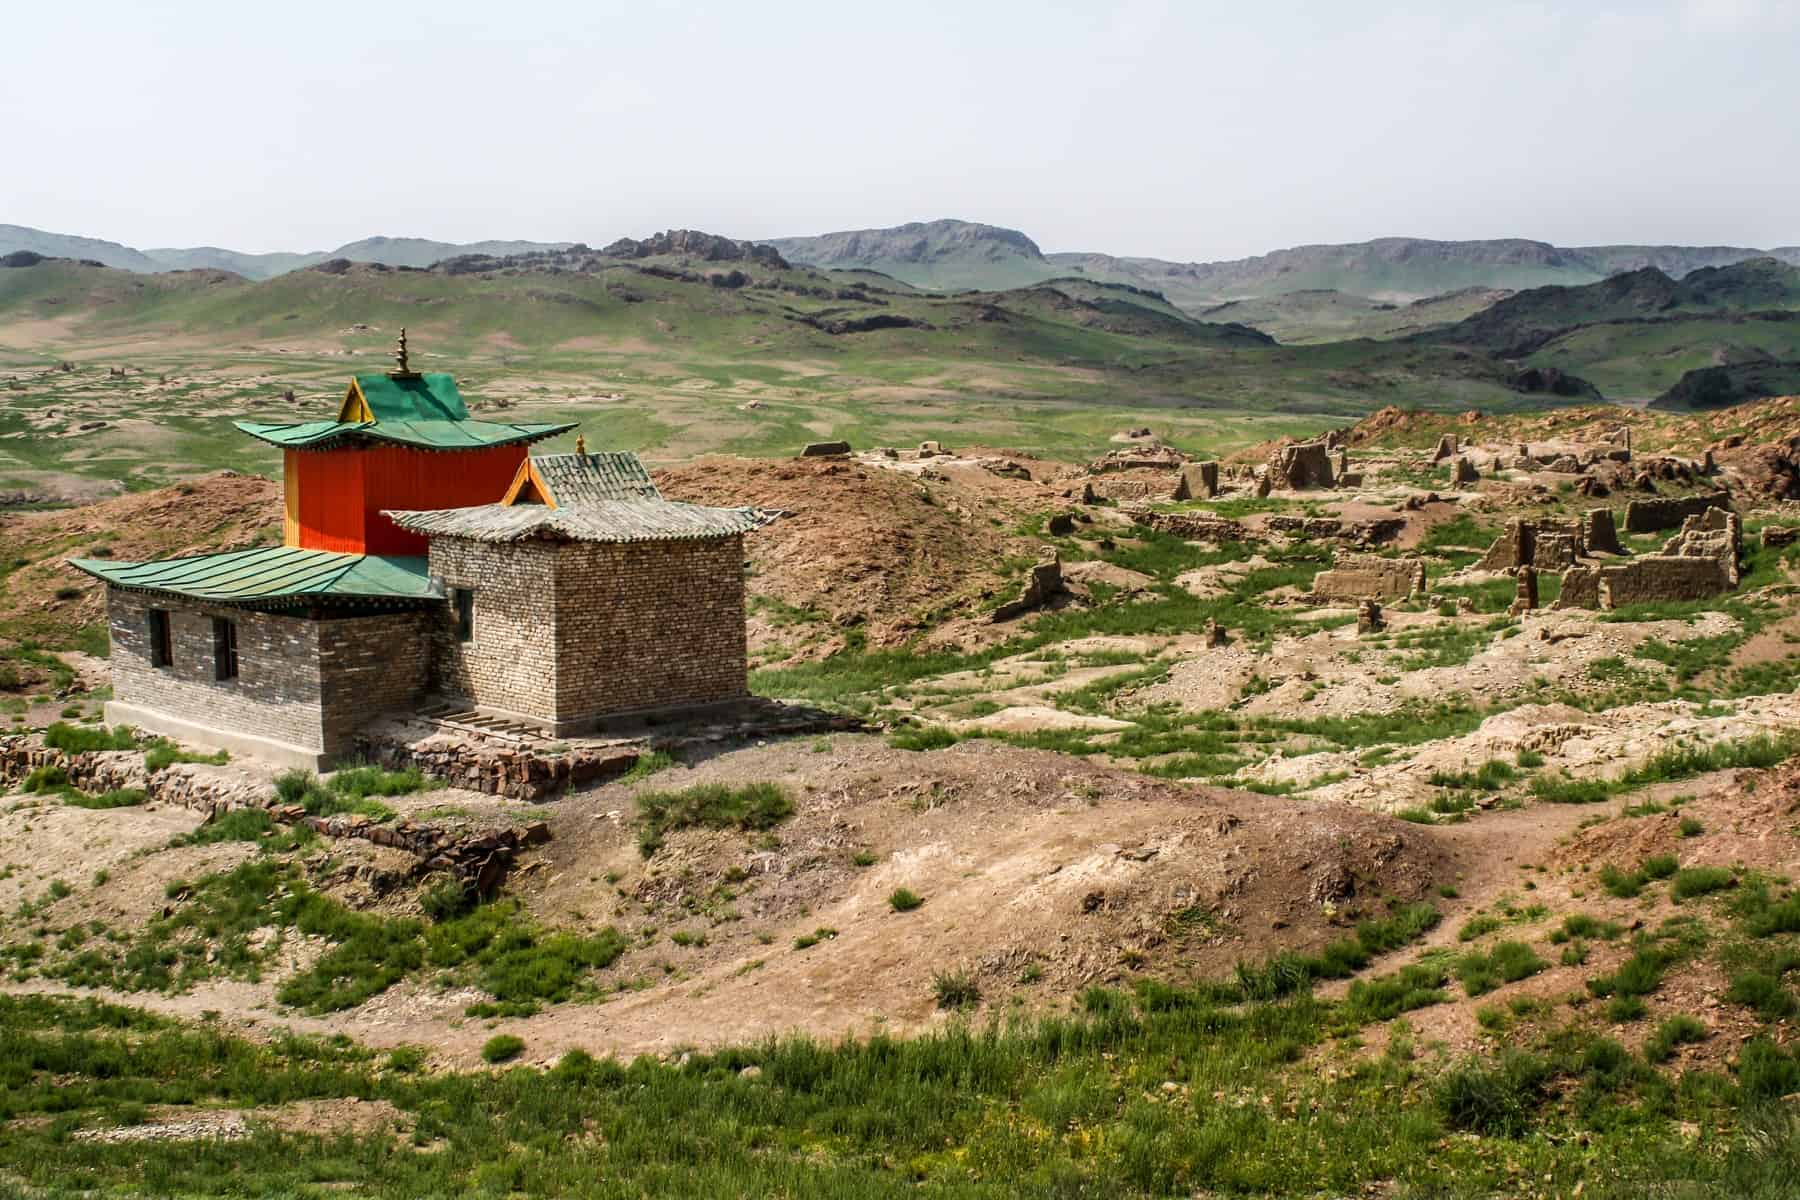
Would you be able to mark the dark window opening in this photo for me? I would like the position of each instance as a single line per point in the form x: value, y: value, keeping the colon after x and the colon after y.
x: 162, y: 646
x: 225, y: 648
x: 462, y: 605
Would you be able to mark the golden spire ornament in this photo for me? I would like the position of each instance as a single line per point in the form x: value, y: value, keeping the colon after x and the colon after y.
x: 404, y: 369
x: 581, y: 443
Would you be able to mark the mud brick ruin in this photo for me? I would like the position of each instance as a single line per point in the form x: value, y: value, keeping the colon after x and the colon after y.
x: 429, y: 560
x: 1699, y: 561
x: 1370, y: 577
x: 1306, y: 465
x: 1655, y: 515
x: 1547, y: 544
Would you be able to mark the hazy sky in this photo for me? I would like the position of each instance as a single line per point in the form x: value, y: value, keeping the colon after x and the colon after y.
x: 1193, y: 130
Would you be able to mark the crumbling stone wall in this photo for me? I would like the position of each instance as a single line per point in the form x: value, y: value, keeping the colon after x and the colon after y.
x: 1548, y: 545
x: 1600, y: 533
x: 1306, y: 465
x: 1198, y: 481
x: 1661, y: 577
x: 301, y: 682
x: 1191, y: 525
x: 1664, y: 512
x: 1580, y: 588
x: 1716, y: 534
x: 1370, y: 577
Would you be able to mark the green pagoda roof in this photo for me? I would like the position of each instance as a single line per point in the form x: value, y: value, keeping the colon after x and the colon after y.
x: 402, y: 409
x: 423, y: 435
x: 274, y: 576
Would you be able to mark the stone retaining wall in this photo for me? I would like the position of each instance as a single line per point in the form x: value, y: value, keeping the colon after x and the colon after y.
x: 481, y: 857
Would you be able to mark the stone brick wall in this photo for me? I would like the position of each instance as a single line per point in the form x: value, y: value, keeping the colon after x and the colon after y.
x: 276, y: 694
x: 649, y: 625
x: 308, y: 683
x: 370, y: 665
x: 569, y: 632
x: 510, y: 662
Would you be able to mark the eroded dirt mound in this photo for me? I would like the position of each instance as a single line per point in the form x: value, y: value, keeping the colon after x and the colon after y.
x: 221, y: 511
x: 867, y: 548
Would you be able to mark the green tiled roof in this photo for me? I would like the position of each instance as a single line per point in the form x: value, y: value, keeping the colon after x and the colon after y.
x: 639, y: 520
x: 430, y: 397
x: 425, y: 435
x: 273, y: 576
x: 584, y: 478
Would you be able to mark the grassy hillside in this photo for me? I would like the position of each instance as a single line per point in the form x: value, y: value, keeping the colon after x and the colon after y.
x: 1325, y: 315
x: 1637, y: 360
x: 1520, y: 324
x: 666, y: 356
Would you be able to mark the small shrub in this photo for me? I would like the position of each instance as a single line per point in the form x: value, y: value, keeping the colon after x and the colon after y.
x: 448, y: 899
x: 1766, y: 1072
x: 1691, y: 827
x: 1475, y: 927
x: 904, y: 900
x: 1660, y: 866
x: 711, y: 806
x: 687, y: 937
x: 116, y: 798
x: 502, y: 1048
x: 1700, y: 881
x: 929, y: 737
x: 71, y: 739
x: 955, y: 990
x: 1529, y: 759
x: 164, y: 753
x: 1564, y: 790
x: 807, y: 941
x: 864, y: 858
x: 291, y: 786
x: 1764, y: 993
x: 648, y: 765
x: 1498, y: 1099
x: 1622, y: 1009
x: 49, y: 778
x: 1679, y: 1030
x: 1507, y: 962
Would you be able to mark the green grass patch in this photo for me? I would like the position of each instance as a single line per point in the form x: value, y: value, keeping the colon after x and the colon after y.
x: 751, y: 806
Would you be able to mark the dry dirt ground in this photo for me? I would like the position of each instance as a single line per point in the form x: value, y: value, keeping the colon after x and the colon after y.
x: 1112, y: 798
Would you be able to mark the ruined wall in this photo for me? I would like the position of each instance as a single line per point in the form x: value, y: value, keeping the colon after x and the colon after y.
x: 1368, y: 577
x: 1656, y: 577
x: 1307, y: 465
x: 510, y: 662
x: 1548, y: 545
x: 1651, y: 515
x: 649, y: 625
x: 276, y: 694
x: 1580, y: 588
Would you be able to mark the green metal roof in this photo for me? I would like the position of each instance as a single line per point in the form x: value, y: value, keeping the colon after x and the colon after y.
x: 585, y: 478
x: 430, y: 397
x: 274, y: 576
x: 424, y: 435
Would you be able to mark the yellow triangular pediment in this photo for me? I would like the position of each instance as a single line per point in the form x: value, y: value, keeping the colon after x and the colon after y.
x: 528, y: 487
x: 356, y: 407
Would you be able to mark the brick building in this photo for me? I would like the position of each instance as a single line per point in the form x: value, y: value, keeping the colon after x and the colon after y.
x: 429, y: 557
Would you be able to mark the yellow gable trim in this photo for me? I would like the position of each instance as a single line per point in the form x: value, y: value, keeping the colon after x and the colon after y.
x: 528, y: 487
x: 355, y: 407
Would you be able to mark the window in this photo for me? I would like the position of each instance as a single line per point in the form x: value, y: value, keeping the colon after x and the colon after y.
x: 225, y: 648
x: 462, y: 606
x: 162, y: 646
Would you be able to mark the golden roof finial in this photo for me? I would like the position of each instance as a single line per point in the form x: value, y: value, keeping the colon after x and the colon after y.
x: 581, y: 443
x: 404, y: 369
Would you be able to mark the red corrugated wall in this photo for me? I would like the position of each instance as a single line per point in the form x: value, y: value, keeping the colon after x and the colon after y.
x: 341, y: 493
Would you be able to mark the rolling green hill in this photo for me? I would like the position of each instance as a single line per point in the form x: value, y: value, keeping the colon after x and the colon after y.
x: 1325, y: 315
x: 664, y: 354
x: 1521, y: 324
